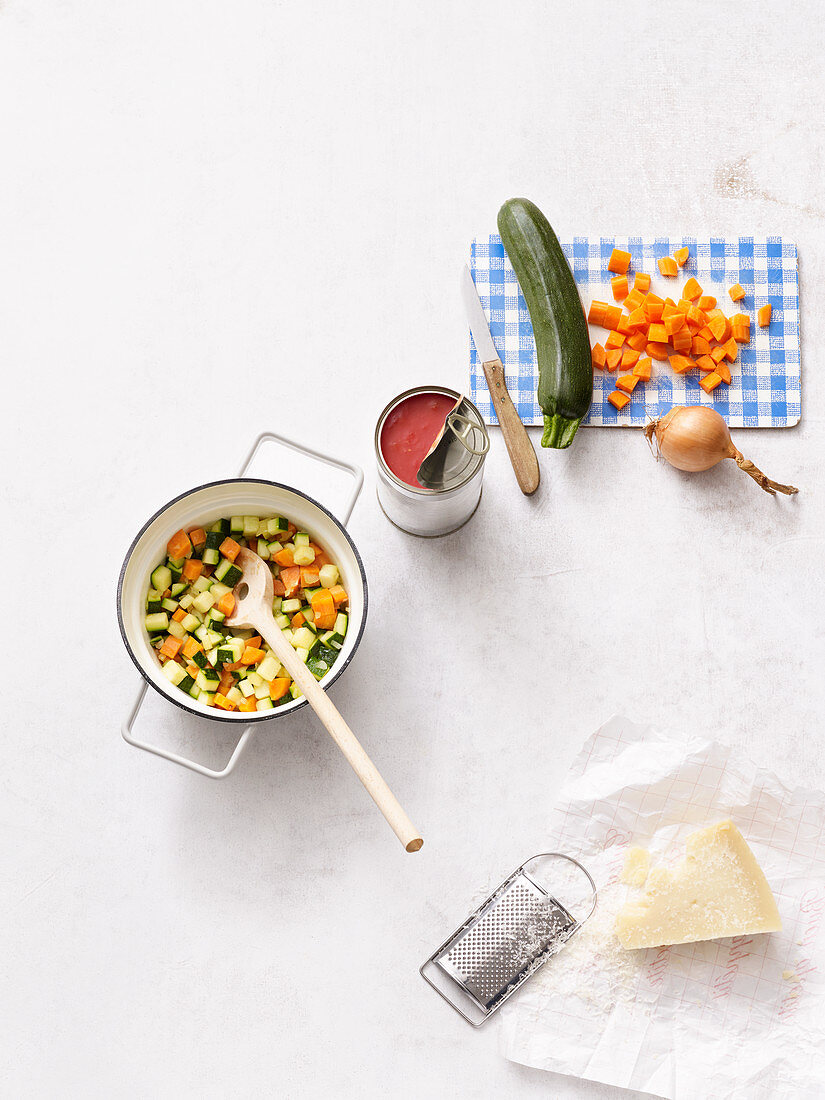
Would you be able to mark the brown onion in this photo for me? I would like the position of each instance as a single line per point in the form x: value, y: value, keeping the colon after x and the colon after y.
x: 696, y: 437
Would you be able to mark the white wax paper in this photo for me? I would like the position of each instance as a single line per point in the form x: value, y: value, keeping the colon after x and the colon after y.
x: 741, y: 1017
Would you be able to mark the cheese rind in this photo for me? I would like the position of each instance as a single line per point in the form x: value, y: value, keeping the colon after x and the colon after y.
x: 719, y: 890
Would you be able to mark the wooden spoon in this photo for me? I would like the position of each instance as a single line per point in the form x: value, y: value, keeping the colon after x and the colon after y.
x: 253, y: 607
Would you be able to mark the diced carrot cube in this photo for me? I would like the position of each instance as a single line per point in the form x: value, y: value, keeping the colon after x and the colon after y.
x: 705, y: 363
x: 642, y: 281
x: 731, y: 350
x: 717, y: 327
x: 619, y: 261
x: 692, y: 290
x: 192, y: 569
x: 596, y: 313
x: 682, y: 340
x: 723, y: 370
x: 226, y: 604
x: 653, y: 307
x: 190, y: 647
x: 612, y: 359
x: 297, y: 620
x: 339, y: 594
x: 700, y: 346
x: 618, y: 399
x: 249, y: 704
x: 323, y: 608
x: 197, y: 536
x: 597, y: 356
x: 658, y: 334
x: 623, y: 325
x: 620, y: 287
x: 229, y: 548
x: 681, y: 256
x: 630, y: 358
x: 627, y: 382
x: 717, y: 354
x: 637, y: 320
x: 309, y: 576
x: 171, y: 647
x: 221, y: 701
x: 612, y: 317
x: 179, y: 546
x: 705, y: 333
x: 279, y: 687
x: 638, y: 341
x: 740, y: 332
x: 675, y: 322
x: 284, y: 558
x: 644, y: 369
x: 614, y: 340
x: 634, y: 299
x: 681, y: 364
x: 706, y: 302
x: 657, y: 351
x: 291, y: 580
x: 709, y: 382
x: 764, y: 315
x: 668, y: 266
x: 696, y: 317
x: 179, y: 615
x: 737, y: 292
x: 251, y: 655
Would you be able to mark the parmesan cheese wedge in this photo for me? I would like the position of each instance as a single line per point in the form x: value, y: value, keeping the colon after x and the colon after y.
x: 719, y: 890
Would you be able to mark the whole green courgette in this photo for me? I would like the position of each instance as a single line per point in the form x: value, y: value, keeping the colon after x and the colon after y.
x: 559, y: 326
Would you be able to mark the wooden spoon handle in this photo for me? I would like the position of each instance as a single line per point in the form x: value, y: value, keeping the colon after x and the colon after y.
x: 519, y: 447
x: 342, y: 735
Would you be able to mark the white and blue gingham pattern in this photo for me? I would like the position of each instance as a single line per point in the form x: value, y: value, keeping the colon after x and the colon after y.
x: 765, y: 390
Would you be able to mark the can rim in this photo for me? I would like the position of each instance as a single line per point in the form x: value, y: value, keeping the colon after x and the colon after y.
x: 397, y: 401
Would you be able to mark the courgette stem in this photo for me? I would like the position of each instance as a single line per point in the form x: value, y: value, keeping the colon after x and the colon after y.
x: 559, y: 431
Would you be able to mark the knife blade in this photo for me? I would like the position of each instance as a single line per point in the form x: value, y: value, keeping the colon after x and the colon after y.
x: 519, y: 448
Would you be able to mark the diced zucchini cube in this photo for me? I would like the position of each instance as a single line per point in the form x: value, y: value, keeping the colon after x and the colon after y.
x: 276, y: 524
x: 246, y: 688
x: 169, y: 605
x: 282, y: 620
x: 303, y: 638
x: 236, y: 525
x: 265, y: 703
x: 268, y: 668
x: 207, y: 697
x: 263, y: 549
x: 161, y: 578
x: 250, y: 525
x: 176, y: 629
x: 202, y: 584
x: 295, y: 691
x: 289, y: 607
x: 203, y: 601
x: 302, y: 653
x: 262, y: 692
x: 328, y: 575
x: 174, y: 673
x: 219, y: 589
x: 234, y: 696
x: 301, y: 538
x: 303, y: 555
x: 211, y: 557
x: 187, y: 601
x: 157, y: 621
x: 190, y: 622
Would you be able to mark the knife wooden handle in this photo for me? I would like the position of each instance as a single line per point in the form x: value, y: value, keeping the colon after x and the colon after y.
x: 519, y: 447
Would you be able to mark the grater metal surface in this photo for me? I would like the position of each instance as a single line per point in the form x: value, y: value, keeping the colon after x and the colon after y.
x: 499, y: 946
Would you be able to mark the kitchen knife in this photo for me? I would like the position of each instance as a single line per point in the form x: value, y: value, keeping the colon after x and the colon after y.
x: 519, y: 447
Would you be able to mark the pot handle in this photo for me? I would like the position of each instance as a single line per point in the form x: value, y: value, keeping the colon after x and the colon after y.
x: 126, y: 729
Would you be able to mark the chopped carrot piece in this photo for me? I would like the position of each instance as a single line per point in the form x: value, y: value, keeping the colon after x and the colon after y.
x: 230, y: 666
x: 705, y: 333
x: 637, y: 320
x: 692, y: 290
x: 681, y: 256
x: 700, y: 346
x: 297, y: 620
x: 612, y: 317
x: 741, y: 331
x: 674, y: 323
x: 723, y: 339
x: 179, y: 615
x: 618, y: 399
x: 638, y: 341
x: 278, y: 687
x: 634, y: 299
x: 255, y: 641
x: 717, y: 327
x: 681, y: 364
x: 723, y: 370
x: 717, y: 354
x: 597, y: 356
x: 226, y: 681
x: 192, y: 570
x: 630, y: 358
x: 339, y: 594
x: 221, y: 701
x: 309, y: 576
x: 644, y: 369
x: 251, y: 655
x: 291, y: 580
x: 682, y: 340
x: 706, y: 302
x: 190, y: 647
x: 764, y: 315
x: 179, y: 546
x: 642, y: 282
x: 657, y: 351
x: 731, y: 350
x: 619, y: 287
x: 658, y: 334
x: 709, y: 382
x: 614, y: 340
x: 705, y: 363
x: 197, y: 536
x: 612, y: 359
x: 323, y: 609
x: 653, y: 307
x: 229, y: 548
x: 226, y: 604
x: 696, y: 317
x: 737, y: 292
x: 171, y: 647
x: 595, y: 315
x: 668, y: 266
x: 619, y: 261
x: 192, y: 670
x: 249, y: 704
x: 623, y: 325
x: 627, y: 382
x: 284, y: 558
x: 278, y: 587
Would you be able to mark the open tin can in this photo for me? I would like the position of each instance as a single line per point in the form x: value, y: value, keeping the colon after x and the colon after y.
x: 454, y: 465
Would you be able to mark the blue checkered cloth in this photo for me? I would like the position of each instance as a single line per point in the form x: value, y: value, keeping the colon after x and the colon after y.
x: 765, y: 389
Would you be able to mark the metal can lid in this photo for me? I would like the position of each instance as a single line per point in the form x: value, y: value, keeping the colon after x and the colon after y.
x: 457, y: 451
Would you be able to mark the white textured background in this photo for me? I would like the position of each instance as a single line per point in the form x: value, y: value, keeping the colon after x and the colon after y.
x: 217, y: 218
